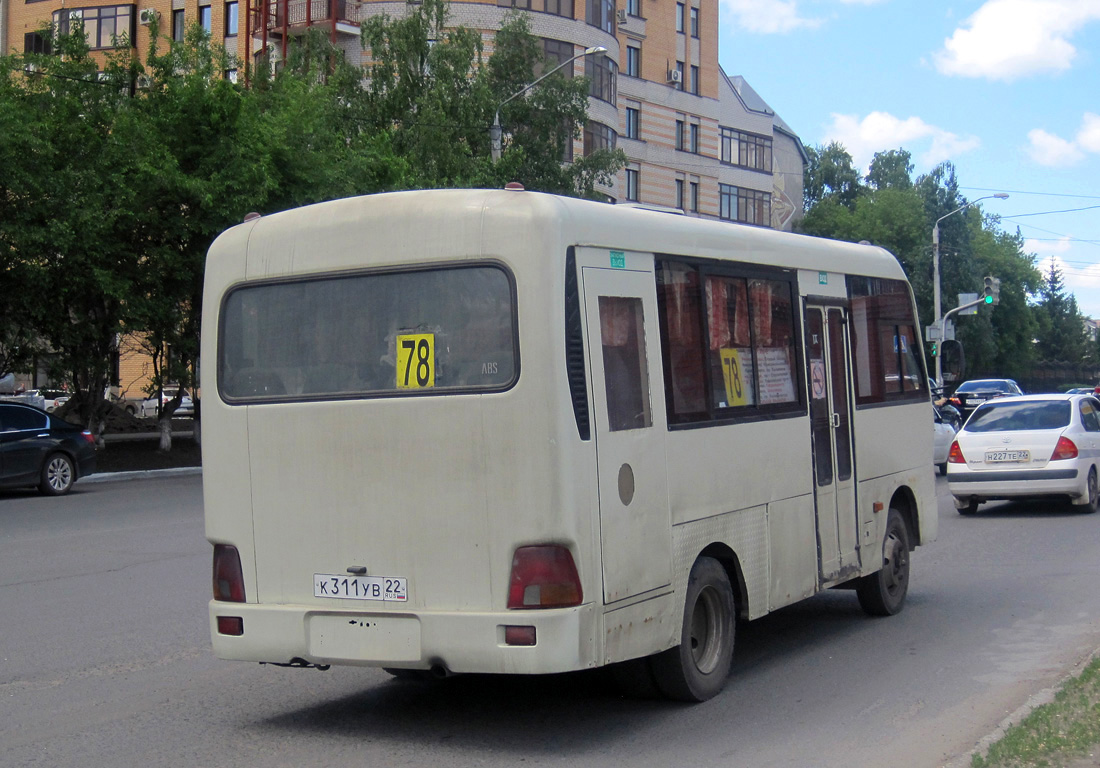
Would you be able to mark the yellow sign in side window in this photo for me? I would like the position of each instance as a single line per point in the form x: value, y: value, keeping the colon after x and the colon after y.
x: 733, y: 371
x: 415, y: 360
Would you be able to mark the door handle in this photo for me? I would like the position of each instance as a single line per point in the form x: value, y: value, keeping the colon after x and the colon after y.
x: 836, y: 421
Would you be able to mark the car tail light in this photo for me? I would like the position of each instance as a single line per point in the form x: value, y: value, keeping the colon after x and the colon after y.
x: 519, y: 636
x: 88, y: 437
x: 228, y: 581
x: 956, y: 454
x: 1064, y: 450
x: 230, y: 625
x: 544, y: 577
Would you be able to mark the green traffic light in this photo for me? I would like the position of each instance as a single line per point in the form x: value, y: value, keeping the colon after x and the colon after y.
x: 988, y: 299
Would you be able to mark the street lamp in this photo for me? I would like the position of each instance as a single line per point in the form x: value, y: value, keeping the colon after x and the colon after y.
x: 936, y: 276
x: 495, y: 131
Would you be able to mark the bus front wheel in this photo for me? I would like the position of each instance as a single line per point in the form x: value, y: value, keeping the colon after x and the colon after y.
x: 883, y: 593
x: 697, y: 668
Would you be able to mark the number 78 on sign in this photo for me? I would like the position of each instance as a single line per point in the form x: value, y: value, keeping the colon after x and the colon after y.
x: 415, y: 360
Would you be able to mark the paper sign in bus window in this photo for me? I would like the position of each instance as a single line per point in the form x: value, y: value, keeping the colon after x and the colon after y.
x: 738, y: 376
x: 415, y: 360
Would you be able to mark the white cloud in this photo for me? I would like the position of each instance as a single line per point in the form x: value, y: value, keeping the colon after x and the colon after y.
x: 1088, y: 138
x: 881, y: 131
x: 1052, y: 151
x: 767, y: 17
x: 1009, y: 39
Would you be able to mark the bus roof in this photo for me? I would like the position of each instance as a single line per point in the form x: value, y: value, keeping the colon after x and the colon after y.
x: 437, y: 221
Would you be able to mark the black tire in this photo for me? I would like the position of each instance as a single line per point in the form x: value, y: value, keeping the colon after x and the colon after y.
x: 883, y: 593
x: 970, y: 509
x: 942, y: 468
x: 1094, y: 495
x: 697, y: 668
x: 132, y: 410
x: 58, y: 475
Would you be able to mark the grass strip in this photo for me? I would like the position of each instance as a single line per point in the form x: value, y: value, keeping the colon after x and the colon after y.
x: 1056, y: 733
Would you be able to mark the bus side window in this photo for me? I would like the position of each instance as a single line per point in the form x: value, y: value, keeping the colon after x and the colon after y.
x: 626, y: 377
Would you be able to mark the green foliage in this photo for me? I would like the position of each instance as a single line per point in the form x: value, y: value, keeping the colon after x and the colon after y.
x: 898, y: 213
x: 1061, y: 334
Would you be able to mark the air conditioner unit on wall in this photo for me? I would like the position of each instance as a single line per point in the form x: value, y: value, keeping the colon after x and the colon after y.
x: 675, y: 76
x: 622, y: 16
x: 147, y: 16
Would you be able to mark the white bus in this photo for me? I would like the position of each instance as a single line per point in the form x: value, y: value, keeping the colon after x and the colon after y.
x: 498, y: 431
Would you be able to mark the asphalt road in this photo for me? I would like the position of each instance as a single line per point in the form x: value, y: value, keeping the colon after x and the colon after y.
x: 105, y: 661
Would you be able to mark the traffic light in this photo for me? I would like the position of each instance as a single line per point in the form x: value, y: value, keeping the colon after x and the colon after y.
x: 935, y: 348
x: 992, y: 292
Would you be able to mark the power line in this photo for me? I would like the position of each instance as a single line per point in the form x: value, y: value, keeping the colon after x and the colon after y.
x: 1026, y: 192
x: 1046, y: 213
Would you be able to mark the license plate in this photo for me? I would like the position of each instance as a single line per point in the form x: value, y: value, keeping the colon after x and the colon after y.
x: 382, y: 588
x: 994, y: 457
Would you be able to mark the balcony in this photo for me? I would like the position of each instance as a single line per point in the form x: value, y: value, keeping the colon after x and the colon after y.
x: 294, y: 17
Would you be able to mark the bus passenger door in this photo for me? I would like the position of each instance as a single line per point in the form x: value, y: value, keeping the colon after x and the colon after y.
x: 827, y: 359
x: 620, y: 308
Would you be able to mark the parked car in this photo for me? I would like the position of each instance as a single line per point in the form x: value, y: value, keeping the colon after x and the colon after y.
x: 1081, y: 391
x: 54, y: 398
x: 1028, y: 447
x: 943, y: 432
x: 970, y: 394
x: 147, y: 408
x: 39, y: 449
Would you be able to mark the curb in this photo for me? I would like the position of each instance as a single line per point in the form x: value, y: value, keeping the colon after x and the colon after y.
x: 146, y: 474
x: 1035, y: 701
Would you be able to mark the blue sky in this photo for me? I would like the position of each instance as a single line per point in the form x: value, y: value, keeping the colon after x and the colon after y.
x: 1007, y: 90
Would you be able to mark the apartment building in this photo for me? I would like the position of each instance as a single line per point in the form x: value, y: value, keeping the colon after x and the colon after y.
x: 696, y: 138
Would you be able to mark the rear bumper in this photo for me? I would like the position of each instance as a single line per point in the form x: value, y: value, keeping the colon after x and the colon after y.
x: 459, y: 641
x: 1014, y: 484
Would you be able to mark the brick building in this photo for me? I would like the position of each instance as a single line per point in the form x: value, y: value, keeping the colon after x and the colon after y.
x: 696, y: 138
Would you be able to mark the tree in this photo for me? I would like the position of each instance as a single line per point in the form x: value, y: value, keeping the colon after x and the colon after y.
x: 830, y: 174
x: 1061, y: 333
x: 891, y: 170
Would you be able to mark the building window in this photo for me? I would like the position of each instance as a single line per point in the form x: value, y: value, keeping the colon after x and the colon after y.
x: 230, y: 19
x: 679, y: 17
x: 634, y: 61
x: 680, y: 194
x: 558, y: 52
x: 693, y: 138
x: 524, y: 5
x: 693, y: 201
x: 178, y: 27
x: 601, y: 71
x: 101, y: 25
x: 601, y: 13
x: 633, y: 123
x: 748, y: 150
x: 680, y: 133
x: 695, y: 22
x: 695, y: 79
x: 559, y: 8
x: 35, y: 42
x: 680, y: 80
x: 634, y: 7
x: 204, y: 17
x: 231, y: 75
x: 749, y: 206
x: 632, y: 185
x: 598, y: 136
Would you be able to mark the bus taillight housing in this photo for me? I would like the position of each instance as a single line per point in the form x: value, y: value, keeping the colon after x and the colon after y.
x: 544, y: 576
x: 228, y: 578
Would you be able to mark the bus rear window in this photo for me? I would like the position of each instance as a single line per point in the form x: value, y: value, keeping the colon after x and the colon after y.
x: 395, y: 333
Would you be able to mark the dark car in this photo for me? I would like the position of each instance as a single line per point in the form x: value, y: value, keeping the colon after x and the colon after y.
x: 971, y: 394
x: 39, y: 449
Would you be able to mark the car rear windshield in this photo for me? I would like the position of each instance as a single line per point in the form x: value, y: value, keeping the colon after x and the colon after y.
x: 380, y: 333
x: 984, y: 386
x: 1011, y: 416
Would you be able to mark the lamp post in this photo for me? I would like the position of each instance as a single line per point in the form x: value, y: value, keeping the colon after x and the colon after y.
x: 936, y: 276
x: 495, y: 130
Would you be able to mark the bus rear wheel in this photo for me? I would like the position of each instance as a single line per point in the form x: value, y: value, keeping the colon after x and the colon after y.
x: 697, y: 668
x: 883, y: 593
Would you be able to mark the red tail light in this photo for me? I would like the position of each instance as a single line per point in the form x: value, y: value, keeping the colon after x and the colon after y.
x: 1064, y: 450
x: 228, y: 581
x: 956, y: 454
x: 544, y: 577
x: 88, y: 437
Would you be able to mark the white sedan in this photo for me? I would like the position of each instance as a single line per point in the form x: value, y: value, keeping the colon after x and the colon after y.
x: 1031, y: 446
